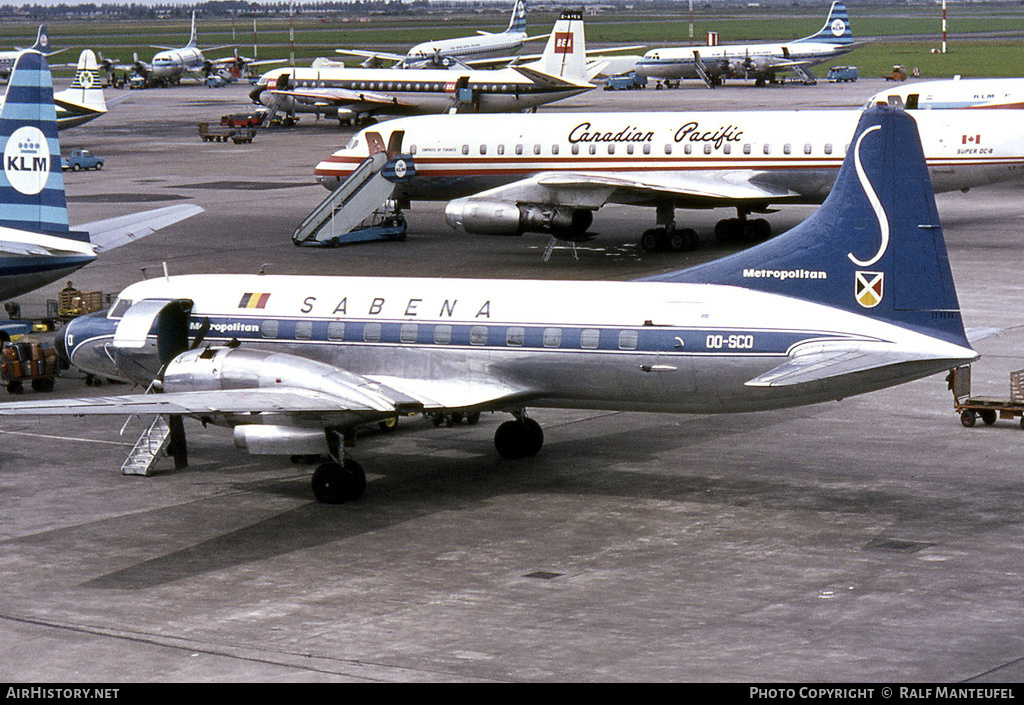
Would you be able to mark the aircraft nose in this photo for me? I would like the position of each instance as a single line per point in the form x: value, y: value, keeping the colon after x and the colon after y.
x: 255, y: 93
x: 81, y: 330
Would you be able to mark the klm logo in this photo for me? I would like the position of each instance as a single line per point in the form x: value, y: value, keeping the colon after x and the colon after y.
x: 26, y: 160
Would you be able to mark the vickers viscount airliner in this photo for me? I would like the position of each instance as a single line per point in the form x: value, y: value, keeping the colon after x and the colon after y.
x: 355, y: 94
x: 857, y: 298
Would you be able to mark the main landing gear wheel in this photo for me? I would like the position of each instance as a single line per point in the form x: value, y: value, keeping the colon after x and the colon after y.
x: 743, y: 231
x: 520, y: 438
x: 665, y: 240
x: 334, y: 483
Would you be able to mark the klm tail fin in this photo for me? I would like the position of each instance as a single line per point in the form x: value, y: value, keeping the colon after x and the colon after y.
x: 837, y: 28
x: 31, y: 185
x: 42, y: 44
x: 875, y: 247
x: 518, y: 21
x: 565, y: 54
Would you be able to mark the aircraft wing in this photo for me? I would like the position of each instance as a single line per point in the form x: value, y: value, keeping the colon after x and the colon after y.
x: 386, y: 56
x: 341, y: 96
x: 369, y: 399
x: 688, y: 190
x: 114, y: 232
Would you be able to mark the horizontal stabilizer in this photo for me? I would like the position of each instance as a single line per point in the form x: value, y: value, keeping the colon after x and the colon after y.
x: 815, y: 363
x: 114, y: 232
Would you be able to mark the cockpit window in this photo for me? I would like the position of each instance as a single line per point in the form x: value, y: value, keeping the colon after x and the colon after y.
x: 353, y: 143
x: 119, y: 308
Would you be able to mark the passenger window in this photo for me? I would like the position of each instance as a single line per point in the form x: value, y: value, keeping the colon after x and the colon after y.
x: 304, y: 330
x: 412, y: 149
x: 611, y: 148
x: 501, y: 149
x: 407, y: 333
x: 593, y: 148
x: 536, y: 149
x: 590, y: 338
x: 443, y: 334
x: 647, y: 149
x: 554, y: 149
x: 519, y: 149
x: 687, y: 148
x: 668, y: 148
x: 575, y: 149
x: 483, y: 149
x: 787, y: 149
x: 336, y: 330
x: 628, y: 340
x: 807, y: 149
x: 478, y: 335
x: 629, y: 148
x: 465, y: 149
x: 552, y: 337
x: 746, y: 149
x: 515, y: 336
x: 268, y: 329
x: 371, y: 332
x: 828, y: 149
x: 767, y: 149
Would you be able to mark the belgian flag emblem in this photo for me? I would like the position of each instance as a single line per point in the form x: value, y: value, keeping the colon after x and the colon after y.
x: 254, y: 301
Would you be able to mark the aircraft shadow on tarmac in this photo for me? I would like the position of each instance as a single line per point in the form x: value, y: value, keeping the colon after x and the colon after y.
x: 416, y: 487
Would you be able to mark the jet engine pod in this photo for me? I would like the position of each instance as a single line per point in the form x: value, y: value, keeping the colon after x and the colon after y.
x: 484, y: 217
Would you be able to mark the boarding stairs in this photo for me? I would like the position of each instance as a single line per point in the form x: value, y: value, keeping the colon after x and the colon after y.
x: 701, y: 69
x: 806, y: 77
x: 342, y: 212
x: 151, y: 446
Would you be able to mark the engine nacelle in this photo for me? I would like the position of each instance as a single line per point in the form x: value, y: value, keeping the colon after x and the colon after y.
x: 280, y: 440
x: 218, y: 369
x: 483, y: 217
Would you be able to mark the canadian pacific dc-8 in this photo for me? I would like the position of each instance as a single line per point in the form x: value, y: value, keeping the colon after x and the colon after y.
x: 550, y: 173
x: 857, y: 298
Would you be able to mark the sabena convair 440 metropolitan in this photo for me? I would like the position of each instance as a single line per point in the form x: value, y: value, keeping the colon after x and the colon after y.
x: 550, y: 173
x: 857, y: 298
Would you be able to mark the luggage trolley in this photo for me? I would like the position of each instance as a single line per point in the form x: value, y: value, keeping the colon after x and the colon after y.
x: 988, y: 408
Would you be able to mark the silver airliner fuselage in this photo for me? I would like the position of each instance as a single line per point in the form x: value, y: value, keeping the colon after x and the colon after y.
x: 689, y: 348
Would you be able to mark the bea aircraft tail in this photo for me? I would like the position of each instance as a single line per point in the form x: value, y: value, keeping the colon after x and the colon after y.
x: 565, y: 55
x: 875, y: 247
x: 837, y: 28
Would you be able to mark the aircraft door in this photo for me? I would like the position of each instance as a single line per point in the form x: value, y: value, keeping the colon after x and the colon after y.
x: 152, y: 333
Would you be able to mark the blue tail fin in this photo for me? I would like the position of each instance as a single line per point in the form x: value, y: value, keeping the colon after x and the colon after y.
x: 875, y: 247
x: 31, y: 183
x: 42, y: 44
x: 837, y: 28
x: 518, y: 21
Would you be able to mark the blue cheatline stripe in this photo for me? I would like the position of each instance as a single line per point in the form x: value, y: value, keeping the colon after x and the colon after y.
x: 15, y: 266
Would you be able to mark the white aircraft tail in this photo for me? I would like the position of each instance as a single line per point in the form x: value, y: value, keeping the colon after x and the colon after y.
x: 837, y: 28
x: 193, y: 39
x: 85, y: 89
x: 565, y: 55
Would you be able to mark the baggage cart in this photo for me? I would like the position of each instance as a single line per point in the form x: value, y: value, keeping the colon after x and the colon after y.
x: 988, y: 409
